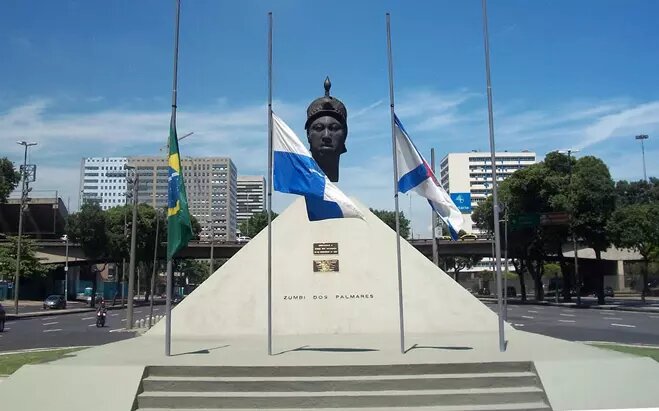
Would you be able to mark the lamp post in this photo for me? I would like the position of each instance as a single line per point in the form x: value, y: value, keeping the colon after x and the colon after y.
x: 133, y: 244
x: 574, y: 238
x: 65, y: 237
x: 643, y: 137
x: 505, y: 258
x: 24, y: 193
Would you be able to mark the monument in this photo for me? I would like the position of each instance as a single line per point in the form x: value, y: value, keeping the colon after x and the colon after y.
x: 327, y: 129
x: 335, y: 328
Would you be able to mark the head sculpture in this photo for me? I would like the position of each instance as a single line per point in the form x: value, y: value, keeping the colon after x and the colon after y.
x: 327, y: 129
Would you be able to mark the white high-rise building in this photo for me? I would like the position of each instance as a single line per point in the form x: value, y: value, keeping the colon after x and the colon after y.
x: 468, y: 177
x: 251, y: 196
x: 103, y: 181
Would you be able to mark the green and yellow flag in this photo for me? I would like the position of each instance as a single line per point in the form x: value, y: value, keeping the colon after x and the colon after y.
x: 179, y: 227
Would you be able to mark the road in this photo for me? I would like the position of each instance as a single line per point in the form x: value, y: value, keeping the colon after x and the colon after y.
x: 584, y: 324
x: 67, y: 330
x: 567, y: 323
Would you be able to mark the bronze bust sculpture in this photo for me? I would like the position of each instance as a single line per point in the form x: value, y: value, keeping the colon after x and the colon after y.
x: 327, y: 129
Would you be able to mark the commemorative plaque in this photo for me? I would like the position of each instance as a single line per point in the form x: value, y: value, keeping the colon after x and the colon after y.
x: 325, y: 248
x: 325, y: 266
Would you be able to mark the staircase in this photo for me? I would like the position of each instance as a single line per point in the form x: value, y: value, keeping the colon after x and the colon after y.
x: 465, y: 387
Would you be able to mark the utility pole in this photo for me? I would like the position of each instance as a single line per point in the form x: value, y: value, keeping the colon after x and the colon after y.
x: 66, y: 270
x: 643, y: 137
x: 24, y: 192
x: 155, y: 265
x: 133, y: 244
x: 435, y: 255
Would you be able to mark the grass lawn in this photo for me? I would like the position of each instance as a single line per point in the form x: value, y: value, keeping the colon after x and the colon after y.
x: 640, y: 351
x: 11, y: 362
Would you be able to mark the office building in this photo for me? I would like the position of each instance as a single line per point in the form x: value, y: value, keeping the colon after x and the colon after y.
x: 103, y: 181
x: 251, y: 197
x: 210, y: 182
x: 468, y: 177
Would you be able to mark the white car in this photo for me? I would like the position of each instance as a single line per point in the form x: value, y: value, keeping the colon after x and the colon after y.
x: 242, y: 239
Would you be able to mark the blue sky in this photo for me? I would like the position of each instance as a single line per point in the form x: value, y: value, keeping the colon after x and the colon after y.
x: 92, y: 78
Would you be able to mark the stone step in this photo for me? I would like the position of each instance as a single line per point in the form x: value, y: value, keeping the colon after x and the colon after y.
x: 322, y: 384
x: 339, y: 399
x: 524, y: 406
x: 338, y: 370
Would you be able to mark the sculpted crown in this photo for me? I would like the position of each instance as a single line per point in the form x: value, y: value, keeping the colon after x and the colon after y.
x: 326, y: 106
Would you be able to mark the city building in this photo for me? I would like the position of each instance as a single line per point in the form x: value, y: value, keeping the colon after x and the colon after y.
x: 251, y: 197
x: 210, y: 182
x: 211, y: 186
x: 103, y: 181
x: 468, y: 177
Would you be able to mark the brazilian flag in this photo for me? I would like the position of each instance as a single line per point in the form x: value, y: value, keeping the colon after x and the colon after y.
x: 179, y: 227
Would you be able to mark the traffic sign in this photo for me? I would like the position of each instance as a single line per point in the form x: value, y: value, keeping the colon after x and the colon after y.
x: 527, y: 220
x: 555, y: 218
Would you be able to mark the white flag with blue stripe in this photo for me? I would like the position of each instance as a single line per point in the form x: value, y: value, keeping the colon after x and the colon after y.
x: 296, y: 172
x: 415, y: 174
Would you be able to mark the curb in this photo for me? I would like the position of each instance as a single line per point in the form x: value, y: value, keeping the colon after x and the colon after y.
x: 647, y: 310
x: 30, y: 350
x: 654, y: 347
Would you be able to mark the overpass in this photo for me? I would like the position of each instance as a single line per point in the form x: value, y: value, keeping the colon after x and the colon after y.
x: 54, y: 251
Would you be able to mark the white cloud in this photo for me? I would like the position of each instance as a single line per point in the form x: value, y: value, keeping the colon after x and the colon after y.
x: 449, y: 121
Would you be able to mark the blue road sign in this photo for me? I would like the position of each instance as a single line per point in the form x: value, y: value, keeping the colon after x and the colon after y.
x: 462, y: 201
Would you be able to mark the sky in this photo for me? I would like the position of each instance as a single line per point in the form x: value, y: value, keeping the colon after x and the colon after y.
x: 94, y: 78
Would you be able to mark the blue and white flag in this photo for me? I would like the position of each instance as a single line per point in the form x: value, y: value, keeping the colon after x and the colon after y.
x: 415, y: 174
x: 296, y: 172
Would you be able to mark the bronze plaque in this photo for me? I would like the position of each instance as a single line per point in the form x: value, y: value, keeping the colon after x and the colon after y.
x: 325, y: 248
x: 325, y: 266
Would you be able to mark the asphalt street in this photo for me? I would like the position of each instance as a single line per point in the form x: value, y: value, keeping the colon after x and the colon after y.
x: 582, y: 324
x: 66, y: 330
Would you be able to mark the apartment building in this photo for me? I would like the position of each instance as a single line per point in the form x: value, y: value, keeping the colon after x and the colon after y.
x: 468, y: 176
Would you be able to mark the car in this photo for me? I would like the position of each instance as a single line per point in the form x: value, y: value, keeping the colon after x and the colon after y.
x: 608, y: 292
x: 54, y: 301
x: 242, y: 239
x: 484, y: 291
x: 3, y: 314
x: 468, y: 237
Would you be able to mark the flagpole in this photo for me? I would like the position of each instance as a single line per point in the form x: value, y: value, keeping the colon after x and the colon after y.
x: 270, y: 183
x: 168, y: 299
x: 495, y: 197
x: 395, y: 156
x: 435, y: 256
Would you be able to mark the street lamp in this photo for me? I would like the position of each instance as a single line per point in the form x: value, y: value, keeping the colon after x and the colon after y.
x: 65, y: 238
x: 574, y: 238
x: 643, y: 137
x: 24, y: 192
x: 133, y: 245
x: 505, y: 258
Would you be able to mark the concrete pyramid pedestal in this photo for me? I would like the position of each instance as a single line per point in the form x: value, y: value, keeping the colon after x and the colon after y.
x: 361, y: 297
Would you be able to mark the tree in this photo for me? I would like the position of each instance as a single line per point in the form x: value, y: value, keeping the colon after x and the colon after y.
x: 637, y: 227
x: 256, y: 223
x: 637, y: 192
x: 30, y: 264
x: 389, y: 218
x: 88, y: 227
x: 9, y: 178
x: 592, y: 201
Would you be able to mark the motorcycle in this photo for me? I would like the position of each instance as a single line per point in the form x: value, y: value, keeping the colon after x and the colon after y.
x: 100, y: 318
